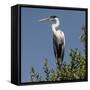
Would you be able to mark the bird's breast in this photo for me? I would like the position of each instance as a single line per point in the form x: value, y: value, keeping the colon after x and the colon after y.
x: 59, y: 37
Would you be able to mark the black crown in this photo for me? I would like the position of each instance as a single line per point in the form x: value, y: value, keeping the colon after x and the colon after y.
x: 53, y: 16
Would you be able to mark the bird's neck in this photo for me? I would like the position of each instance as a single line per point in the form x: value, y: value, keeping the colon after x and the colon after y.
x: 56, y: 26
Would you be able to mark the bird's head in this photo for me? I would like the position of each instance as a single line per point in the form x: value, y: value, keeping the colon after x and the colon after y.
x: 53, y: 19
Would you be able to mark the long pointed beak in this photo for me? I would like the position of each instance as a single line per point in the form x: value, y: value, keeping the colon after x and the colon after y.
x: 45, y: 19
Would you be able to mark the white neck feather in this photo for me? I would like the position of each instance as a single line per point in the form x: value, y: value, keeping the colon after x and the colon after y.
x: 55, y: 26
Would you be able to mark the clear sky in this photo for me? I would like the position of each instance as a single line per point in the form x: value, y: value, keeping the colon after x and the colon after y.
x: 36, y: 37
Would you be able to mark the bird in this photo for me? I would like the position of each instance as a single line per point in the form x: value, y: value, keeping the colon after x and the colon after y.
x: 58, y: 39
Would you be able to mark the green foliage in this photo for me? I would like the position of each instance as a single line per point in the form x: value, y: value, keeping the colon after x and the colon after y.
x: 76, y: 70
x: 46, y: 70
x: 49, y: 73
x: 35, y: 77
x: 77, y: 67
x: 83, y: 36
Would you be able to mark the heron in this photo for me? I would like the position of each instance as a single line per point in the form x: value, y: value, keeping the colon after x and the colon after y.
x: 58, y: 39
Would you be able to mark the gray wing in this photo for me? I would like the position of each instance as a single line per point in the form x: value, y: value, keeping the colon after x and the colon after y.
x: 62, y: 53
x: 55, y: 46
x: 58, y: 49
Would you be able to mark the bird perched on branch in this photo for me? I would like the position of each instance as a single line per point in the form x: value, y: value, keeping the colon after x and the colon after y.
x: 58, y: 39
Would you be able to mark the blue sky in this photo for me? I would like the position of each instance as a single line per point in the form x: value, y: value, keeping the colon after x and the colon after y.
x: 36, y: 37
